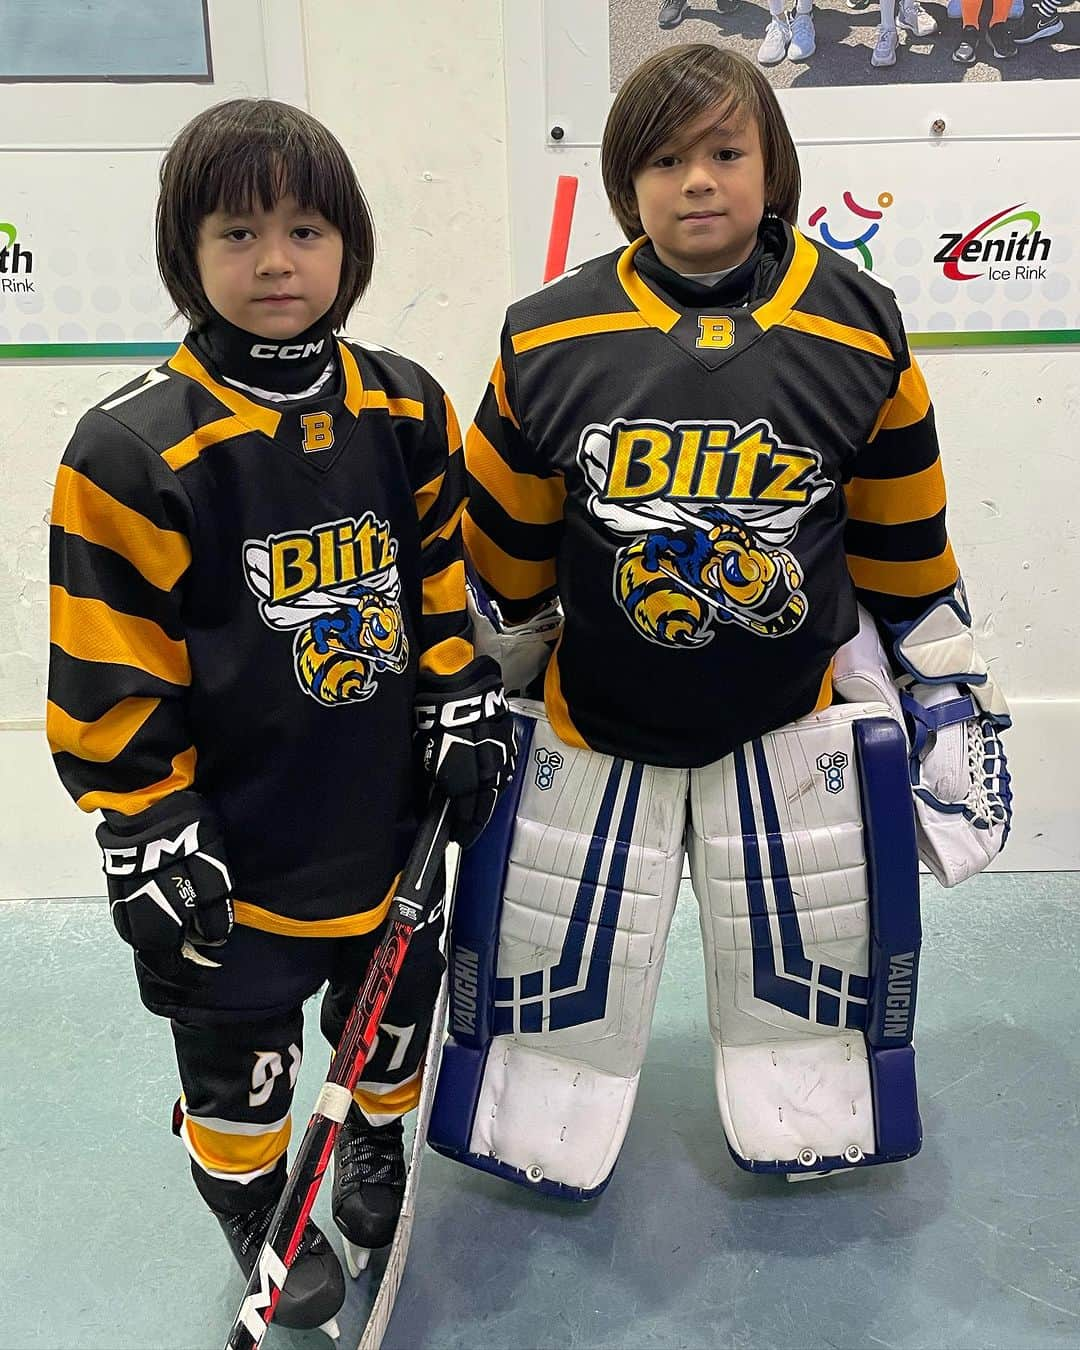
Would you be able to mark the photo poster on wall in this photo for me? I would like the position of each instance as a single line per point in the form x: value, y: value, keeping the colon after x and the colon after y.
x: 953, y: 181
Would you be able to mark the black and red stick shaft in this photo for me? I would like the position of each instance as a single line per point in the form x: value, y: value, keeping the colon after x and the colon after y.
x: 414, y: 899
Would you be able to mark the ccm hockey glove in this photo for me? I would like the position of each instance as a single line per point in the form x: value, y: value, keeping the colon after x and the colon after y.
x: 168, y: 884
x: 466, y: 741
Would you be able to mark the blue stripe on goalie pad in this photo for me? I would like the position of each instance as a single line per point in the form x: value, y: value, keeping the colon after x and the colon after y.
x: 474, y: 948
x: 895, y: 935
x: 564, y: 999
x: 474, y: 945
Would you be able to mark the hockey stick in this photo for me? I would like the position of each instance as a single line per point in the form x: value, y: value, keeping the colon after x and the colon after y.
x: 383, y: 1306
x: 413, y: 901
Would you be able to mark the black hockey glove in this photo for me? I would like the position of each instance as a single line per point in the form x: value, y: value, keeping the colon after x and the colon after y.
x: 168, y: 884
x: 465, y: 736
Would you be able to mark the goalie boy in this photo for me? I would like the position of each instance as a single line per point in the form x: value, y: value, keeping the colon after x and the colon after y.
x: 714, y: 448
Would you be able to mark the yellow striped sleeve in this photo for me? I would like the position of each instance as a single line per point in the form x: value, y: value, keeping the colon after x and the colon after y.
x: 897, y: 501
x: 82, y: 508
x: 502, y: 402
x: 444, y: 592
x: 181, y: 776
x: 90, y: 630
x: 426, y: 496
x: 447, y: 657
x: 447, y: 528
x: 526, y: 497
x: 515, y: 578
x: 910, y: 403
x: 905, y: 578
x: 102, y: 740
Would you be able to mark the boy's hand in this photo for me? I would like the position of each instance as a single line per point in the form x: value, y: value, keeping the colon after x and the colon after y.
x: 168, y: 884
x: 466, y: 740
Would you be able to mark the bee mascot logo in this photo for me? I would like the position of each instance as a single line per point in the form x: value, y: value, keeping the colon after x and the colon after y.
x: 708, y: 508
x: 337, y: 585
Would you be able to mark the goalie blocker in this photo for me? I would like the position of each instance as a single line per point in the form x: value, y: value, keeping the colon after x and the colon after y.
x: 802, y: 851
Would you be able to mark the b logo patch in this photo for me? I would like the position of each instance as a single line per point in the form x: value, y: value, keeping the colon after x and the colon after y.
x: 716, y: 331
x: 318, y: 431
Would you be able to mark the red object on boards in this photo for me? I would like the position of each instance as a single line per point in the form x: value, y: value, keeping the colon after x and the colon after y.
x: 562, y: 216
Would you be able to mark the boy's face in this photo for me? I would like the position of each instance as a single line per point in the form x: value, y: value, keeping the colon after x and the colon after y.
x: 272, y: 273
x: 701, y: 200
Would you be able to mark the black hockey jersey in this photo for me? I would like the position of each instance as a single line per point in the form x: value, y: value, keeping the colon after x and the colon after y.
x: 707, y: 486
x: 243, y: 599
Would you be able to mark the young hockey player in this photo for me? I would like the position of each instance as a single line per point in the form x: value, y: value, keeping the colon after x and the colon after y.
x: 257, y: 585
x: 714, y: 447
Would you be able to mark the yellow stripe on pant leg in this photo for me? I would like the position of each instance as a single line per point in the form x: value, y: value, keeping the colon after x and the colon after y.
x: 382, y: 1103
x: 235, y: 1157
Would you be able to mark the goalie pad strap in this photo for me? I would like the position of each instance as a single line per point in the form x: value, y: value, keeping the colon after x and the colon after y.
x: 926, y: 720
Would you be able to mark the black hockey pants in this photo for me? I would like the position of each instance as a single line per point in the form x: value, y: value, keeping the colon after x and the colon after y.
x: 238, y: 1034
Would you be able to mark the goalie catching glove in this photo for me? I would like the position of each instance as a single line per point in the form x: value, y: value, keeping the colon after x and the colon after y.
x: 953, y: 713
x: 522, y: 650
x: 168, y: 883
x: 466, y: 741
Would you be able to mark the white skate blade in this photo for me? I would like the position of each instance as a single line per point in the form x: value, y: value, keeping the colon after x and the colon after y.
x: 816, y: 1176
x: 331, y: 1329
x: 356, y: 1258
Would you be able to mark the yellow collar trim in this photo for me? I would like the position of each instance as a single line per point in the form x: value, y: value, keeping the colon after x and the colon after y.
x: 647, y: 303
x: 185, y: 362
x: 801, y: 268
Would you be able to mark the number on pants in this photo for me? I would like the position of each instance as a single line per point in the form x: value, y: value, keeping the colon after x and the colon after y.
x: 403, y: 1036
x: 268, y: 1069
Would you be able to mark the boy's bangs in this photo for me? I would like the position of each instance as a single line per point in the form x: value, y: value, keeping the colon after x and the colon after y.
x: 701, y: 93
x: 730, y: 114
x: 244, y: 178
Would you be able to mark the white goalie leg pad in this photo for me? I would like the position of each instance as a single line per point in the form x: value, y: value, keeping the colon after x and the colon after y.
x: 802, y: 850
x: 562, y: 916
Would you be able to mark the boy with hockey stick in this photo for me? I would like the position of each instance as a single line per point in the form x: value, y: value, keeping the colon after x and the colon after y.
x: 715, y: 448
x: 257, y: 590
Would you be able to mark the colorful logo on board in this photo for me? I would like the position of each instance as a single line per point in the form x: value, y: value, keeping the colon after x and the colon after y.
x: 1011, y: 238
x: 857, y: 242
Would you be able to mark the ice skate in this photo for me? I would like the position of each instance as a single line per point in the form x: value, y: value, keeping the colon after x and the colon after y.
x: 315, y: 1288
x: 369, y: 1183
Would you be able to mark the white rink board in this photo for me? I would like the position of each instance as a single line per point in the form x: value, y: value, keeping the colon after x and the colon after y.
x: 47, y: 847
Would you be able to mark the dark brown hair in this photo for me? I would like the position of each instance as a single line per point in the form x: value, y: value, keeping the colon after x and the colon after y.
x: 248, y: 151
x: 671, y: 90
